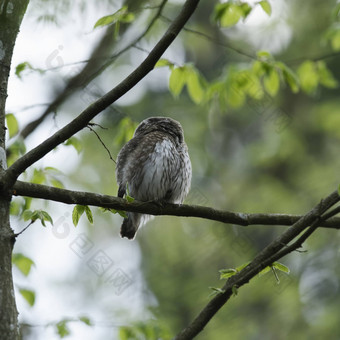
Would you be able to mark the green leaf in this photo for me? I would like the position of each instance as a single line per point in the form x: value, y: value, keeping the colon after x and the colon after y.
x: 326, y: 78
x: 234, y: 289
x: 335, y: 40
x: 89, y: 214
x: 249, y: 83
x: 271, y: 82
x: 12, y: 125
x: 28, y: 295
x: 62, y: 328
x: 85, y: 320
x: 22, y: 67
x: 16, y: 150
x: 104, y: 21
x: 76, y: 143
x: 228, y: 14
x: 216, y: 291
x: 38, y: 176
x: 264, y: 55
x: 194, y: 86
x: 266, y: 7
x: 226, y: 273
x: 41, y: 215
x: 308, y: 75
x: 129, y: 198
x: 242, y: 266
x: 281, y: 267
x: 177, y: 80
x: 127, y: 18
x: 289, y: 76
x: 114, y: 211
x: 15, y: 208
x: 265, y: 270
x: 78, y: 210
x: 122, y: 15
x: 339, y: 189
x: 53, y: 170
x: 27, y: 215
x: 45, y: 217
x: 246, y: 9
x: 122, y: 213
x: 56, y: 183
x: 164, y: 62
x: 23, y: 263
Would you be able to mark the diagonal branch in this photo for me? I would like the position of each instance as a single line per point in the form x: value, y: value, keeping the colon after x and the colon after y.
x: 106, y: 201
x: 265, y: 258
x: 98, y: 106
x: 94, y: 66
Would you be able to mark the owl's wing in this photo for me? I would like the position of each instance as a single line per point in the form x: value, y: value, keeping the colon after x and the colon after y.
x: 130, y: 162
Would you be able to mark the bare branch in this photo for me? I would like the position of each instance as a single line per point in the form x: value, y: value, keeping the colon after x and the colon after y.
x: 101, y: 141
x: 98, y: 106
x: 87, y: 198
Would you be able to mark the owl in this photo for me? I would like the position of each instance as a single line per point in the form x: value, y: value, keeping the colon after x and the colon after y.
x: 154, y: 166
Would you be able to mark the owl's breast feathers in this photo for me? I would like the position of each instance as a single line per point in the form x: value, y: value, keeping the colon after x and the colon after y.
x: 155, y: 166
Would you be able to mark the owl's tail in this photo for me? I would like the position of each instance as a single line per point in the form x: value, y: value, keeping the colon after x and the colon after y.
x: 130, y: 225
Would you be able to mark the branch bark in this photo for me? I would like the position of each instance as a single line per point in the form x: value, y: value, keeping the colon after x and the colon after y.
x: 274, y: 251
x: 87, y: 198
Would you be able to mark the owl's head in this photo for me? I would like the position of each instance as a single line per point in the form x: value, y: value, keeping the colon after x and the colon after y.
x: 161, y: 124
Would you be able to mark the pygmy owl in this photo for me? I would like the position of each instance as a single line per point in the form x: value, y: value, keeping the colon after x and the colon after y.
x: 155, y: 166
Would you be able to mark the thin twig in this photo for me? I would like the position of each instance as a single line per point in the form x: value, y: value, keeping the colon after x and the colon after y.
x: 214, y: 40
x: 101, y: 141
x: 19, y: 233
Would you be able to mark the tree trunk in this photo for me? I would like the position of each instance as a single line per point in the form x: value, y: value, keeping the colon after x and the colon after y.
x: 11, y: 14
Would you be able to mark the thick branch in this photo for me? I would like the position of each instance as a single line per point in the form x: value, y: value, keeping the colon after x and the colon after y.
x: 88, y: 198
x: 265, y: 258
x: 98, y: 106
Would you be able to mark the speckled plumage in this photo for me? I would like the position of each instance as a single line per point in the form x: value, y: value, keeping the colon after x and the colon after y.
x: 155, y: 165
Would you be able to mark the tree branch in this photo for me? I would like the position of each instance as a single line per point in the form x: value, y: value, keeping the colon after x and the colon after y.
x: 87, y: 198
x: 95, y: 65
x: 265, y: 258
x: 98, y: 106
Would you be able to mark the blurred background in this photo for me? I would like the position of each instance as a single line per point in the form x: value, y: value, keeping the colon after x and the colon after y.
x: 259, y: 142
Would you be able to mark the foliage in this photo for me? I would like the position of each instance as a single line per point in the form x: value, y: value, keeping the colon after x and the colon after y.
x: 34, y: 215
x: 144, y: 330
x: 23, y: 263
x: 12, y: 125
x: 78, y: 210
x: 229, y: 13
x: 28, y: 295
